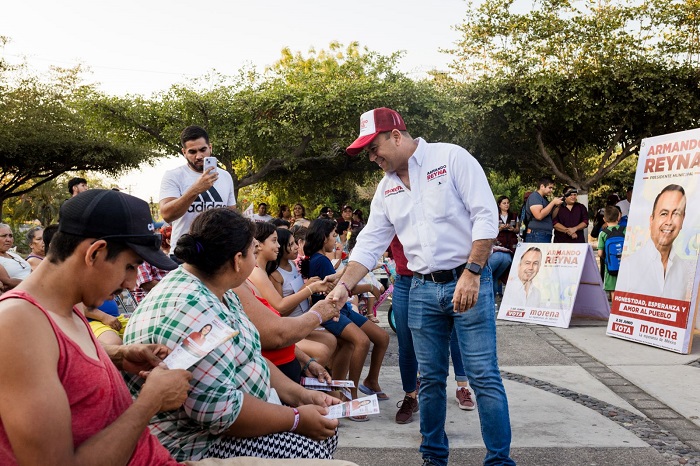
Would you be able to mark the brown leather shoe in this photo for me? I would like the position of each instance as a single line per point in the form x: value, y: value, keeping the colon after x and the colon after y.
x: 407, y: 407
x: 464, y: 399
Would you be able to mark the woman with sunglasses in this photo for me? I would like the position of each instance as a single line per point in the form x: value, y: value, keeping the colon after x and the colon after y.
x: 291, y: 359
x: 13, y: 269
x: 285, y: 213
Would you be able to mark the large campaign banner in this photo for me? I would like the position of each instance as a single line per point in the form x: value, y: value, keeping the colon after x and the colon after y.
x: 655, y: 299
x: 550, y: 282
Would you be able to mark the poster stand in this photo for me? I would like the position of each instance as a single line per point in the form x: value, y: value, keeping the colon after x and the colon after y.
x: 656, y: 296
x: 548, y: 283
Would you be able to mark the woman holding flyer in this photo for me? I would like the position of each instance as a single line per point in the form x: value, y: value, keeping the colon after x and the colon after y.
x: 235, y: 405
x: 354, y: 330
x: 284, y: 288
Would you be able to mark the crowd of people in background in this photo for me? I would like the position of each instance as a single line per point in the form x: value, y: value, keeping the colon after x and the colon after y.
x: 568, y: 218
x: 544, y: 217
x: 271, y: 278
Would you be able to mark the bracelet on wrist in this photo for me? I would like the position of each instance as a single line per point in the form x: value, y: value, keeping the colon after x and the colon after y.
x: 308, y: 364
x: 345, y: 285
x: 296, y: 420
x: 311, y: 292
x: 317, y: 314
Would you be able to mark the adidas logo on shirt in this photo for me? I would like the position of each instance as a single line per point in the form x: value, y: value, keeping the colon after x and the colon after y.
x: 209, y: 199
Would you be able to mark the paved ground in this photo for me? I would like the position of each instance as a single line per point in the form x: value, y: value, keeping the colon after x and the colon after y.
x: 577, y: 397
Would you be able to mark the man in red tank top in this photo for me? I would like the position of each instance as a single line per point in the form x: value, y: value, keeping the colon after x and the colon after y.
x: 62, y: 398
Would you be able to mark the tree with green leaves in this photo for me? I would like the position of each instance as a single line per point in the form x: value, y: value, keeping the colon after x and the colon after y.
x: 571, y: 88
x: 287, y: 128
x: 43, y: 202
x: 44, y: 132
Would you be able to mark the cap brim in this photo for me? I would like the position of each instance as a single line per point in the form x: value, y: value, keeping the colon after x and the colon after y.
x: 360, y: 143
x: 154, y: 257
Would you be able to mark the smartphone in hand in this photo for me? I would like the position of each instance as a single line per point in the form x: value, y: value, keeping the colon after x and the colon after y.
x: 209, y: 162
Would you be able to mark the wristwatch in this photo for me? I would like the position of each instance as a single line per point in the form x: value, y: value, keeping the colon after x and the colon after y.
x: 473, y: 267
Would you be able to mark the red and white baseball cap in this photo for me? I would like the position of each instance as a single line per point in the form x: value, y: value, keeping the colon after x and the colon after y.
x: 372, y: 123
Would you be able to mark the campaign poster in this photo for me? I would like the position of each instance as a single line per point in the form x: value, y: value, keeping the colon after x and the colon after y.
x: 656, y: 292
x: 549, y: 282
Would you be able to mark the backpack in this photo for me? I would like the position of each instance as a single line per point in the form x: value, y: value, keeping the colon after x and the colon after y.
x: 525, y: 217
x: 613, y: 249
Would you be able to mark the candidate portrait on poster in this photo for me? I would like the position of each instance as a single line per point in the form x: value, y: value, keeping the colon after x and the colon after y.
x: 545, y: 281
x: 523, y: 292
x: 542, y: 276
x: 656, y: 269
x: 655, y: 299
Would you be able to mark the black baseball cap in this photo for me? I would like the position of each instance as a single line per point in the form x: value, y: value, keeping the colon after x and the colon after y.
x: 107, y: 214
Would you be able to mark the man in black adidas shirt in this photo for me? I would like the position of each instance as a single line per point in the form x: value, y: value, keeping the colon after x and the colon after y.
x: 188, y: 190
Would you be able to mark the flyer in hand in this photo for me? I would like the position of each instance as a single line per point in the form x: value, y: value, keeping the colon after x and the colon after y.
x: 359, y: 407
x: 209, y: 333
x: 313, y: 383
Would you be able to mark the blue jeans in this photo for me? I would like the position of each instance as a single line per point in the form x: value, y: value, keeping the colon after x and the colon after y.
x: 457, y: 364
x: 539, y: 236
x: 431, y: 320
x: 408, y: 366
x: 499, y: 261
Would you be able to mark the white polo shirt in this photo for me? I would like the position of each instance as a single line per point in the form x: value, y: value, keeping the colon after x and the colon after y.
x: 449, y: 205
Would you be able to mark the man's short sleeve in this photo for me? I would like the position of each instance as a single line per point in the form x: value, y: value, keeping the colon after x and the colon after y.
x: 555, y: 220
x: 534, y: 199
x: 584, y: 214
x: 169, y: 186
x: 231, y: 198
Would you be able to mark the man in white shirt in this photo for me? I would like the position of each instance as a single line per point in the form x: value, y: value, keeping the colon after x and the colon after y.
x: 655, y: 270
x: 523, y: 292
x: 624, y: 204
x: 188, y: 190
x: 436, y: 198
x: 262, y: 215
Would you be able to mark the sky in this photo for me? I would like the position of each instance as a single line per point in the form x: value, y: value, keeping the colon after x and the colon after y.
x: 144, y: 47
